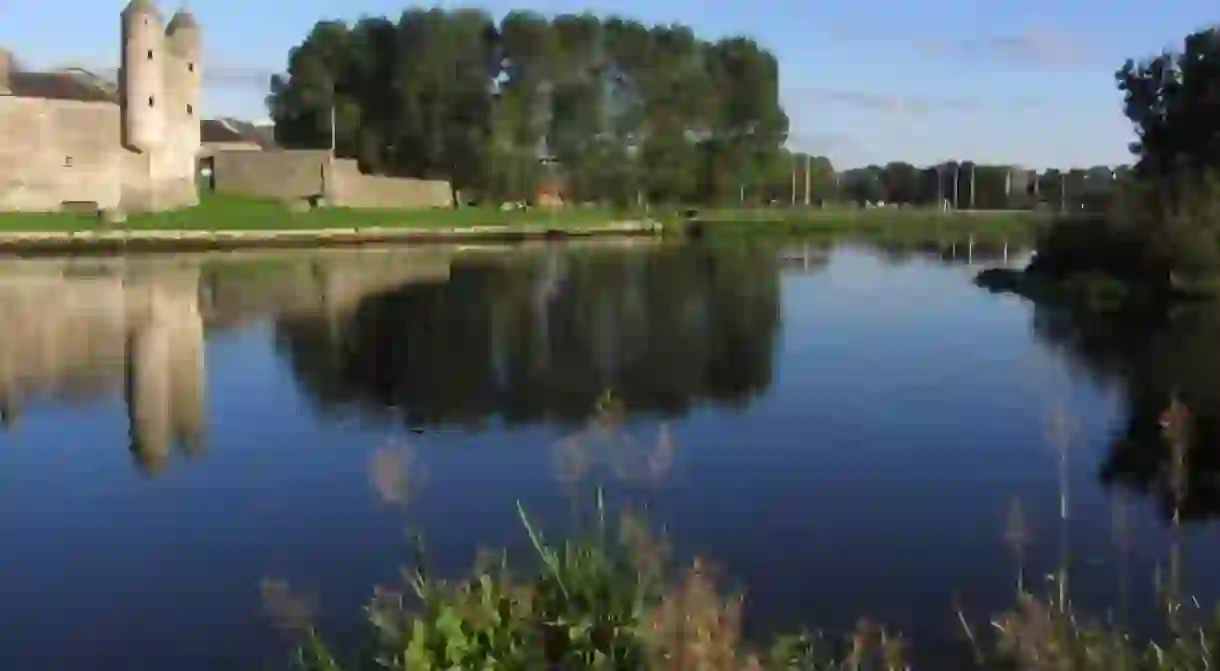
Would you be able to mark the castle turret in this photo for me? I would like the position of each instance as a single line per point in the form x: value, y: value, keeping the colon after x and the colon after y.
x: 183, y: 74
x: 141, y: 85
x: 6, y: 67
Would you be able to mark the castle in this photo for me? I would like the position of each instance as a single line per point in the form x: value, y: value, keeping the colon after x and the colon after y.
x: 69, y: 140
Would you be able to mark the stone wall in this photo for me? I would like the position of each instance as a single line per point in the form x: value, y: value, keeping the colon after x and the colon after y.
x: 351, y: 188
x: 155, y: 182
x: 301, y: 174
x: 6, y: 66
x: 57, y: 151
x: 279, y: 174
x: 66, y: 151
x: 213, y: 148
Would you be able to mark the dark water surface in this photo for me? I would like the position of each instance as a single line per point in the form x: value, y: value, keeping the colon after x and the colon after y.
x: 844, y: 431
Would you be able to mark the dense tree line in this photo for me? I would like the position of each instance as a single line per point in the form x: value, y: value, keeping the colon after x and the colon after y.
x: 630, y: 111
x: 953, y: 184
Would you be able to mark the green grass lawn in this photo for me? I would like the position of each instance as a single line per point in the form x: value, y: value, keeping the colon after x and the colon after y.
x: 216, y: 213
x: 890, y: 223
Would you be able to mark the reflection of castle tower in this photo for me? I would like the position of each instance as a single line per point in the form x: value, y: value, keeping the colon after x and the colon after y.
x: 9, y: 411
x: 165, y: 375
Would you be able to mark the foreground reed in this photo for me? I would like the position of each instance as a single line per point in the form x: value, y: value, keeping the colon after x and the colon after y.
x: 607, y: 599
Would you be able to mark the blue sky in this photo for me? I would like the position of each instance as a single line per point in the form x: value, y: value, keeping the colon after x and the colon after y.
x: 1026, y: 82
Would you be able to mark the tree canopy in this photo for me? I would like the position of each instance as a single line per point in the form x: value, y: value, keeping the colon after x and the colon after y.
x: 1164, y: 224
x: 628, y: 110
x: 1174, y: 103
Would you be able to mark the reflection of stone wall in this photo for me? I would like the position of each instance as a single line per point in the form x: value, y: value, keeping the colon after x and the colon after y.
x: 316, y: 285
x: 88, y: 328
x: 66, y: 337
x: 59, y: 342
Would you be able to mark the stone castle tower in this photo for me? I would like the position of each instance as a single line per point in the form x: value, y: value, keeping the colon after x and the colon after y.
x: 160, y: 82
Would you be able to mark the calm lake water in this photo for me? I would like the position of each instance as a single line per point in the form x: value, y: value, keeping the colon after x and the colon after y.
x: 843, y: 430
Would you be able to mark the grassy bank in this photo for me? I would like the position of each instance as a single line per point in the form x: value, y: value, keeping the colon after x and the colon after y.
x: 893, y: 223
x: 1110, y: 264
x: 224, y: 213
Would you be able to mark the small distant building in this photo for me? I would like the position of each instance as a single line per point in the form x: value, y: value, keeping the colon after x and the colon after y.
x: 550, y: 186
x: 1020, y: 187
x: 1020, y: 179
x: 228, y: 135
x: 234, y: 135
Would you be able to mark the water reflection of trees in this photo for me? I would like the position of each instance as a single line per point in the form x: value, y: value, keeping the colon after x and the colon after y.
x: 541, y: 337
x: 1150, y: 359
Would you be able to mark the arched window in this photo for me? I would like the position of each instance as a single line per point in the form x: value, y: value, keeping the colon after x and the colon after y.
x: 151, y: 101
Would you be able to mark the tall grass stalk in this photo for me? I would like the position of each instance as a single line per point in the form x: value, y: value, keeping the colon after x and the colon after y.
x: 606, y: 599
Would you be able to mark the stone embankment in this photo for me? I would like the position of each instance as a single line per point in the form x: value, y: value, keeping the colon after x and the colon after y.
x: 183, y: 240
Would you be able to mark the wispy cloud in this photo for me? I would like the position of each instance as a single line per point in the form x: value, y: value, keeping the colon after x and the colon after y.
x: 908, y: 105
x: 1036, y: 48
x: 818, y: 142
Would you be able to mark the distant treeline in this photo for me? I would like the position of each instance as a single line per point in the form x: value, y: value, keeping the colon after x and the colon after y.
x: 963, y: 185
x: 609, y: 109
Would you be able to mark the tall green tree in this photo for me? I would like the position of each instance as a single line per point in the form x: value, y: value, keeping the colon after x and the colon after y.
x: 864, y: 185
x: 578, y: 122
x: 521, y: 112
x: 901, y: 182
x: 632, y: 112
x: 1174, y: 104
x: 302, y: 102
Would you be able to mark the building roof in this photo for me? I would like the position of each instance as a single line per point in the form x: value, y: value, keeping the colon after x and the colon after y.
x: 61, y: 86
x: 141, y: 7
x: 181, y: 21
x: 223, y: 131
